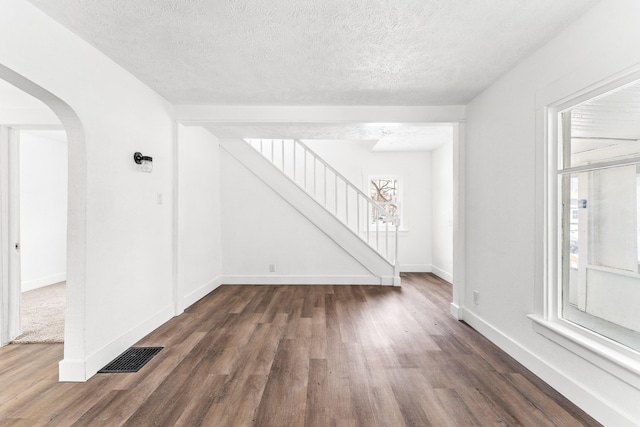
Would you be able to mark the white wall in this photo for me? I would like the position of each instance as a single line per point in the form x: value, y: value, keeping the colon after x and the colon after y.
x: 19, y: 108
x: 442, y: 210
x: 43, y: 208
x: 199, y: 234
x: 120, y: 270
x: 504, y: 238
x: 356, y: 161
x: 260, y: 228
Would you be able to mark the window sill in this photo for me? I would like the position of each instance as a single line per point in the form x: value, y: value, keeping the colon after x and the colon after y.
x: 608, y: 355
x: 618, y: 271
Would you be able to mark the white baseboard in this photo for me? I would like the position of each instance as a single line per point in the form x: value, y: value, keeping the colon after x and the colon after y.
x: 415, y: 268
x: 456, y: 311
x: 575, y: 392
x: 301, y: 280
x: 202, y: 291
x: 444, y: 275
x: 43, y: 281
x: 71, y: 371
x: 79, y: 370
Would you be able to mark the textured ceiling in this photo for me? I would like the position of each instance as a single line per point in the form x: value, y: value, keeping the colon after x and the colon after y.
x: 389, y: 136
x: 311, y: 52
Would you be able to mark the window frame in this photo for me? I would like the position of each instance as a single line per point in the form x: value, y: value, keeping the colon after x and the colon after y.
x: 398, y: 180
x: 603, y: 352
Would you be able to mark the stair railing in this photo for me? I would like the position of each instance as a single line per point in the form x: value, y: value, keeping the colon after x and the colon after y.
x: 350, y: 205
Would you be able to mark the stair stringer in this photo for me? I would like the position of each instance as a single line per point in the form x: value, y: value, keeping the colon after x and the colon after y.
x: 314, y: 212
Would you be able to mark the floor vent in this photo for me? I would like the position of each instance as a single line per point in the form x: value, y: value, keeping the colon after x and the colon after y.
x: 131, y: 360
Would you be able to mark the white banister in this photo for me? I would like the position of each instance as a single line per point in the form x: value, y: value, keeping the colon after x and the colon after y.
x: 373, y: 212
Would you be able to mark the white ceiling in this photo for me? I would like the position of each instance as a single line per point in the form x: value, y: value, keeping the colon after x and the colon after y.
x: 607, y: 126
x: 614, y: 115
x: 316, y: 52
x: 389, y: 136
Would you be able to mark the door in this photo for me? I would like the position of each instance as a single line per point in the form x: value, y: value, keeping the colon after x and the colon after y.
x: 10, y: 282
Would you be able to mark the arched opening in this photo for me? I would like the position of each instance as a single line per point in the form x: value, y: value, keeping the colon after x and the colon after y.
x: 76, y: 226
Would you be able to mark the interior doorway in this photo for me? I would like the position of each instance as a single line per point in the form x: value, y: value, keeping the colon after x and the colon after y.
x: 43, y: 234
x: 34, y: 181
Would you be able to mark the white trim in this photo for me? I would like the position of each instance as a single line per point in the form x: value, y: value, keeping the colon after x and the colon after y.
x: 456, y: 311
x: 605, y: 412
x: 79, y: 371
x: 201, y: 292
x: 71, y: 370
x: 602, y: 352
x: 579, y: 86
x: 622, y: 362
x: 459, y: 221
x: 443, y: 274
x: 203, y: 114
x: 399, y: 201
x: 43, y: 281
x: 611, y: 270
x: 178, y: 300
x: 15, y: 269
x: 305, y: 280
x: 415, y: 268
x: 10, y: 294
x: 5, y: 303
x: 599, y: 165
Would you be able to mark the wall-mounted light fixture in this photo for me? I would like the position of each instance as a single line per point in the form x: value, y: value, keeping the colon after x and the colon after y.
x: 145, y: 162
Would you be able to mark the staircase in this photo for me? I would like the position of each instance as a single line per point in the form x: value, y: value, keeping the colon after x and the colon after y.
x: 326, y: 198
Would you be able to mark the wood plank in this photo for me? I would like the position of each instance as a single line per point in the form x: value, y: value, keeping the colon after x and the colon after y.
x: 297, y: 355
x: 287, y: 383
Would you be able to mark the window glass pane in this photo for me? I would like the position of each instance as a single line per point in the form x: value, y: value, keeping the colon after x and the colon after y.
x: 601, y: 283
x: 604, y: 128
x: 384, y: 191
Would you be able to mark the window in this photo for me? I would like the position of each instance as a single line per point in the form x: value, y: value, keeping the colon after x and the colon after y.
x: 386, y: 192
x: 598, y: 178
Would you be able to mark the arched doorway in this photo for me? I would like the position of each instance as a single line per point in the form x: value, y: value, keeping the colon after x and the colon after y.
x: 76, y: 227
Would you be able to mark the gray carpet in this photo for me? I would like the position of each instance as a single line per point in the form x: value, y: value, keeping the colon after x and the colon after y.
x: 43, y: 315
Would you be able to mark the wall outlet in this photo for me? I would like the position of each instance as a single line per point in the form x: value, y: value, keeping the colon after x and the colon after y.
x: 272, y: 268
x: 476, y: 297
x: 159, y: 199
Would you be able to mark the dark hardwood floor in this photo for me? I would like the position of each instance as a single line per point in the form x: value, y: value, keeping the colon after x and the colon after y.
x: 297, y: 356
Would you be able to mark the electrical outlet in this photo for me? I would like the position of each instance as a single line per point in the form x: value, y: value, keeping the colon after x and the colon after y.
x: 272, y: 268
x: 159, y: 199
x: 476, y: 297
